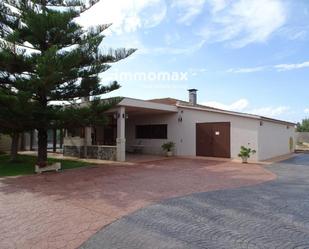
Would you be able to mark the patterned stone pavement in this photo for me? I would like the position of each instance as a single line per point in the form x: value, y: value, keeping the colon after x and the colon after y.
x: 269, y: 215
x: 62, y: 210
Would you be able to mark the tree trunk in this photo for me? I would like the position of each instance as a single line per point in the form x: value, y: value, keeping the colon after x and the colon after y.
x: 14, y: 146
x: 61, y: 138
x: 54, y: 140
x: 42, y: 148
x: 31, y: 140
x: 22, y: 142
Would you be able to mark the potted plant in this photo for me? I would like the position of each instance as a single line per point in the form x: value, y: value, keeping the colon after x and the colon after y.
x: 245, y: 153
x: 168, y: 147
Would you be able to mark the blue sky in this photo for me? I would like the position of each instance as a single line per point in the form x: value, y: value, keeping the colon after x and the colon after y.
x: 243, y: 55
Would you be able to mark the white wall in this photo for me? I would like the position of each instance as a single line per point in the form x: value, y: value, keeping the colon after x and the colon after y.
x: 151, y: 146
x: 274, y: 140
x: 183, y: 134
x: 269, y: 140
x: 73, y: 141
x: 243, y: 131
x: 5, y: 142
x: 302, y: 137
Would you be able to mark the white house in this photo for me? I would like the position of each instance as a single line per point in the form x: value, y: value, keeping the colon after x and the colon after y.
x: 142, y: 126
x: 5, y: 142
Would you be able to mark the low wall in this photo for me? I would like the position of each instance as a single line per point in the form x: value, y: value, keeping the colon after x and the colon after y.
x: 73, y: 141
x: 73, y: 151
x: 102, y: 152
x: 302, y: 137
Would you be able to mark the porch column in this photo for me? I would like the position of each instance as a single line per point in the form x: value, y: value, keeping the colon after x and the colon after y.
x: 121, y: 139
x: 61, y: 138
x: 54, y: 140
x: 31, y: 139
x: 87, y: 141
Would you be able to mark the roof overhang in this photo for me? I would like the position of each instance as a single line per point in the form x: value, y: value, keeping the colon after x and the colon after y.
x: 137, y: 106
x: 239, y: 114
x: 144, y: 107
x: 128, y: 102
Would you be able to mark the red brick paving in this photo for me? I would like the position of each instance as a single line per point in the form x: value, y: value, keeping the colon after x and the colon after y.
x: 62, y: 210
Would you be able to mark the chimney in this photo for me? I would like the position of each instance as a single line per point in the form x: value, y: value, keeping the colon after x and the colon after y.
x: 192, y: 96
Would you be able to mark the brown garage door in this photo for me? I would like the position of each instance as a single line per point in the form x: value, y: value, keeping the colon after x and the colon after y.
x: 213, y: 139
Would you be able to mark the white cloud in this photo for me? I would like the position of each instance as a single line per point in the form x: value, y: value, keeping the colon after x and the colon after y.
x: 132, y: 40
x: 246, y: 69
x: 243, y: 22
x: 287, y: 67
x: 306, y: 111
x: 300, y: 35
x: 238, y: 105
x: 173, y: 50
x: 295, y: 33
x: 243, y: 105
x: 126, y: 15
x: 171, y: 38
x: 188, y: 10
x: 218, y: 5
x: 197, y: 71
x: 270, y: 111
x: 279, y: 68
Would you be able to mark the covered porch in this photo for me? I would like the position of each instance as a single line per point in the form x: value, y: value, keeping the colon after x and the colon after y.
x: 134, y: 127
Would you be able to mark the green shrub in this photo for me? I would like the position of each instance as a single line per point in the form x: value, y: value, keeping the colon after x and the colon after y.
x: 168, y: 146
x: 246, y: 152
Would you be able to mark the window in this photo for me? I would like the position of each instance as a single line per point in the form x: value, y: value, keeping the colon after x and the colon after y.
x: 151, y: 131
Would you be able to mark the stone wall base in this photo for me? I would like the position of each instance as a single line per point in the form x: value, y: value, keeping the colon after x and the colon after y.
x: 92, y: 152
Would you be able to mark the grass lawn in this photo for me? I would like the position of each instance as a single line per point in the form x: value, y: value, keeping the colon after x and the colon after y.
x: 25, y: 165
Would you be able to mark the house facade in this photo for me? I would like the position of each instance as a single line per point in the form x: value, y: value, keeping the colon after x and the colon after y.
x: 5, y: 142
x: 142, y: 126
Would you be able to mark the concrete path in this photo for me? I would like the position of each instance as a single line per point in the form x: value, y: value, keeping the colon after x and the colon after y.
x: 268, y: 215
x: 301, y: 159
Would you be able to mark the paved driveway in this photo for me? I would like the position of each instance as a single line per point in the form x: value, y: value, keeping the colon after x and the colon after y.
x: 63, y: 210
x: 269, y: 215
x: 301, y: 159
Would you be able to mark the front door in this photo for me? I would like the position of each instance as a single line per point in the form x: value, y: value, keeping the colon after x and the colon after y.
x: 213, y: 139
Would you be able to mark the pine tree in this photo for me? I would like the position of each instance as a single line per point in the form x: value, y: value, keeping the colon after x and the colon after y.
x: 47, y: 56
x: 303, y: 126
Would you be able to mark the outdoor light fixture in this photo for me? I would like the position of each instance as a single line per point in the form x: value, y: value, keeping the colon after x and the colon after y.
x: 180, y: 116
x: 116, y: 115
